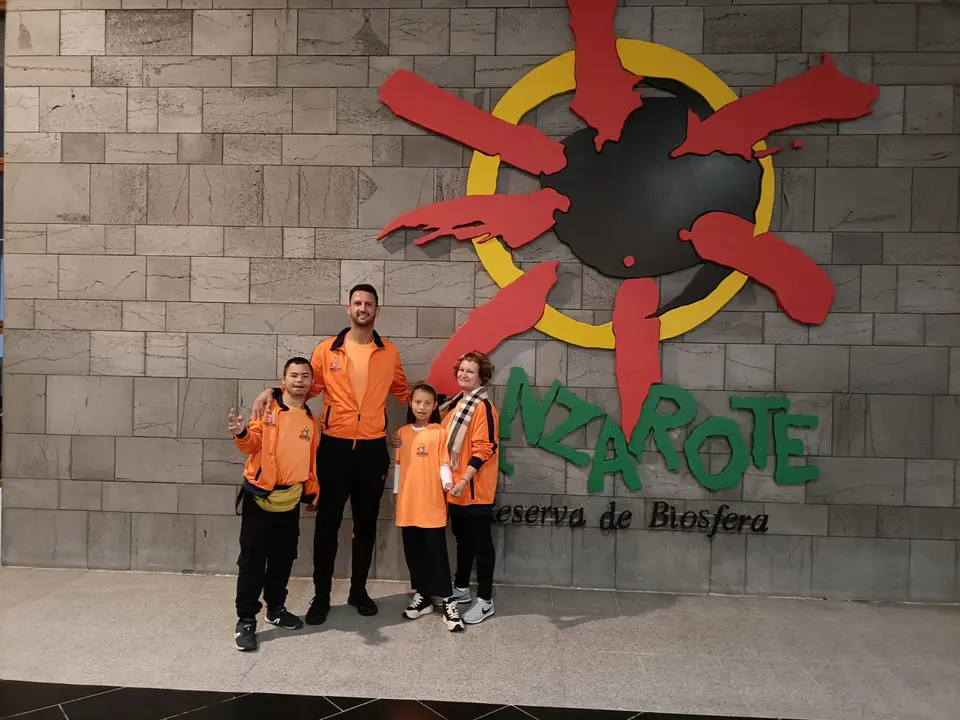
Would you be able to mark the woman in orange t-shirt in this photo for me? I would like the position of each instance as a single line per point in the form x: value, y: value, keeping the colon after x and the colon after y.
x: 422, y: 478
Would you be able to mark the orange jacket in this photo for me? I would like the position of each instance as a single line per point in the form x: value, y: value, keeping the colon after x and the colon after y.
x: 342, y: 417
x: 259, y: 442
x: 480, y: 451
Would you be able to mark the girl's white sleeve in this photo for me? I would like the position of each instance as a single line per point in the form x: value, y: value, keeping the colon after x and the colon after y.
x: 446, y: 477
x: 396, y: 478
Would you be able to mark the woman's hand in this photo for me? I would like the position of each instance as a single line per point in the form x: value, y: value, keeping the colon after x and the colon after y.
x: 260, y: 404
x: 395, y: 440
x: 458, y: 489
x: 237, y: 425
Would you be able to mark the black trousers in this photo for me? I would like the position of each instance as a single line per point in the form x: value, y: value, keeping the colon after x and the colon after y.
x: 357, y: 473
x: 268, y: 547
x: 425, y: 550
x: 474, y: 535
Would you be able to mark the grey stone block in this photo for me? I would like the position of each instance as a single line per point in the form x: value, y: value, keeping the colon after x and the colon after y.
x: 473, y: 32
x: 594, y: 558
x: 343, y: 32
x: 812, y: 154
x: 942, y: 329
x: 882, y: 28
x: 795, y: 519
x: 946, y: 427
x: 899, y: 426
x: 536, y: 472
x: 446, y: 71
x: 38, y: 494
x: 108, y: 541
x: 729, y: 327
x: 853, y: 521
x: 778, y: 565
x: 502, y: 71
x: 818, y: 441
x: 666, y: 561
x: 842, y: 328
x: 747, y: 69
x: 749, y: 367
x: 79, y: 495
x: 861, y: 568
x: 540, y: 31
x: 935, y: 197
x: 162, y: 543
x: 928, y: 289
x: 886, y: 115
x: 538, y: 555
x: 919, y: 151
x: 797, y: 194
x: 849, y: 425
x: 857, y: 248
x: 419, y: 32
x: 933, y: 565
x: 680, y: 28
x: 857, y: 481
x: 861, y: 199
x: 778, y: 329
x: 149, y: 32
x: 919, y: 522
x: 899, y: 370
x: 752, y: 29
x: 878, y: 288
x: 217, y: 544
x: 803, y: 368
x: 921, y: 248
x: 928, y: 68
x: 898, y: 329
x: 825, y: 28
x: 938, y: 29
x: 36, y: 456
x: 44, y: 538
x: 852, y: 150
x: 694, y: 366
x: 929, y: 109
x: 92, y: 458
x: 222, y: 463
x: 430, y: 151
x: 728, y: 564
x: 27, y: 393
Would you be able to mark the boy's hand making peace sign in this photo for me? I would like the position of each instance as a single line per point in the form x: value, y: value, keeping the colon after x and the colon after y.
x: 237, y: 424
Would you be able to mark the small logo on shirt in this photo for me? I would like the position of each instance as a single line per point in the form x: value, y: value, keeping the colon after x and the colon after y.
x: 305, y: 433
x: 422, y: 450
x: 335, y: 364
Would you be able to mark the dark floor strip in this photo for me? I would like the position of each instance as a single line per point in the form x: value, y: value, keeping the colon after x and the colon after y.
x: 47, y: 701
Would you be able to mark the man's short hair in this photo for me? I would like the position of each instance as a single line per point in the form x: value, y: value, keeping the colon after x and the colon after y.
x: 367, y: 288
x: 296, y: 361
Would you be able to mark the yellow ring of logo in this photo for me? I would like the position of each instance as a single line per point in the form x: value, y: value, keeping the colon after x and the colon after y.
x: 556, y: 77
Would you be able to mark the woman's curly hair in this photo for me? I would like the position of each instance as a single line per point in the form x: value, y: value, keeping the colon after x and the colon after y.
x: 484, y: 365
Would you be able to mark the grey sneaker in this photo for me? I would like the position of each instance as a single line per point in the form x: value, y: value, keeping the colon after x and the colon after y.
x: 462, y: 595
x: 478, y: 612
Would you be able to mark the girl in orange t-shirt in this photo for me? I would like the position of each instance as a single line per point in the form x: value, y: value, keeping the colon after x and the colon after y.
x: 422, y: 477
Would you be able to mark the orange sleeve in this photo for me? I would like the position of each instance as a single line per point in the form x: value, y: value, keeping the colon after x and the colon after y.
x: 248, y: 442
x: 316, y: 363
x: 443, y: 451
x: 483, y: 434
x: 399, y: 387
x: 312, y: 486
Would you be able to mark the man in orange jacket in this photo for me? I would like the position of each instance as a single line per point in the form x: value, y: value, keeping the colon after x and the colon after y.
x: 280, y: 473
x: 355, y: 371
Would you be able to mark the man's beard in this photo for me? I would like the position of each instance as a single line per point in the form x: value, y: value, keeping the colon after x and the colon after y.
x: 365, y: 322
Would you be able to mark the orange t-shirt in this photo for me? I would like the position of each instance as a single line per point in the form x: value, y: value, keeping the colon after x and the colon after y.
x: 294, y: 435
x: 358, y: 367
x: 421, y: 501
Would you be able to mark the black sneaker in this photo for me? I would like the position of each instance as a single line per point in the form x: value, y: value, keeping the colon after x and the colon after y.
x: 317, y: 614
x: 363, y: 603
x: 285, y: 619
x: 245, y: 636
x: 418, y: 607
x: 451, y: 616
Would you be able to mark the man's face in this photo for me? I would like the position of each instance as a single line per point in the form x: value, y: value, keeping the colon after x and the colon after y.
x: 363, y: 309
x: 298, y: 379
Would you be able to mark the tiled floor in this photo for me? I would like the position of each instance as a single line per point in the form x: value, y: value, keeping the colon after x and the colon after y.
x: 42, y: 701
x: 720, y: 656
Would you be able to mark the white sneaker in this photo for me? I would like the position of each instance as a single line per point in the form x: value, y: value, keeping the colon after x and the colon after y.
x: 478, y: 612
x: 418, y: 607
x: 462, y: 595
x: 451, y: 616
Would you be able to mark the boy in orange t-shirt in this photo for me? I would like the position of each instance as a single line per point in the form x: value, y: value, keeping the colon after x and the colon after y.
x: 421, y: 479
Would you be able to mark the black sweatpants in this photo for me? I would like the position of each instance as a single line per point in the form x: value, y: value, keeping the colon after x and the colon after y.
x: 358, y: 473
x: 474, y: 534
x: 425, y: 550
x: 268, y: 547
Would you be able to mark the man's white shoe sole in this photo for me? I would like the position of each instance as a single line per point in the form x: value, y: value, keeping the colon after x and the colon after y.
x: 414, y: 614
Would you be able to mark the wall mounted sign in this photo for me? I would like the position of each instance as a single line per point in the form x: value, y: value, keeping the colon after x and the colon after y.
x: 652, y: 185
x: 615, y: 455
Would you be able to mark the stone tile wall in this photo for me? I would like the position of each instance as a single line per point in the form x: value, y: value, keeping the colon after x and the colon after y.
x: 192, y: 185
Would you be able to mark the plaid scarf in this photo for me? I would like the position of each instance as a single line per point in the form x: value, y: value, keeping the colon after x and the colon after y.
x: 457, y: 431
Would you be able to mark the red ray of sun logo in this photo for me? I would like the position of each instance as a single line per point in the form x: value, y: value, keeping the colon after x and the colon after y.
x: 607, y: 99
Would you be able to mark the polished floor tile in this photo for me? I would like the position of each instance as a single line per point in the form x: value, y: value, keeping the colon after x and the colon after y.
x: 20, y: 697
x: 259, y: 706
x: 141, y: 703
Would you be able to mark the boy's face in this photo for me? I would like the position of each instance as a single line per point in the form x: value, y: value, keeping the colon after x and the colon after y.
x: 298, y: 379
x: 423, y: 404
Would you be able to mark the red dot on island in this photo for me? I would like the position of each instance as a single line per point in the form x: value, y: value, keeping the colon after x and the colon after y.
x: 629, y: 260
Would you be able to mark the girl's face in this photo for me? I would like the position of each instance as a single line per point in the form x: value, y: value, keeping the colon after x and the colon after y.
x: 468, y: 375
x: 422, y: 404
